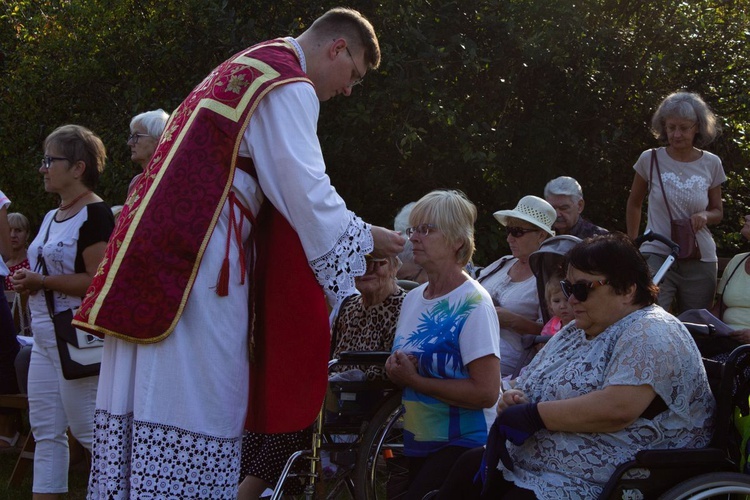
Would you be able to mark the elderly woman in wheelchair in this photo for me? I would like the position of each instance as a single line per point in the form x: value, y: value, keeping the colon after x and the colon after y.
x: 365, y: 322
x: 446, y: 350
x: 623, y: 377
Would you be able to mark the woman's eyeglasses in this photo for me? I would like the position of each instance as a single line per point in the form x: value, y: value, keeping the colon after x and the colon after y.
x: 517, y: 231
x: 580, y: 290
x: 684, y: 129
x: 47, y: 161
x: 134, y: 137
x: 421, y: 230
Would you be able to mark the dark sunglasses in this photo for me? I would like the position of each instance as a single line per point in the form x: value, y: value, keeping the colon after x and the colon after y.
x: 580, y: 290
x: 517, y: 231
x: 373, y: 263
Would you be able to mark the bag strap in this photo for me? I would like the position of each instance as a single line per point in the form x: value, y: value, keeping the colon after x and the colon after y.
x: 503, y: 261
x: 18, y: 311
x: 655, y: 161
x: 722, y: 307
x: 41, y: 265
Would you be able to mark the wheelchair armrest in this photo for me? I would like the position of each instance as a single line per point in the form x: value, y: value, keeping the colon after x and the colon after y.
x: 680, y: 457
x: 363, y: 357
x: 704, y: 330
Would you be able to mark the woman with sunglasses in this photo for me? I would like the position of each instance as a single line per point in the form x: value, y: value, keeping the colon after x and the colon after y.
x: 367, y: 321
x: 623, y: 377
x: 512, y: 284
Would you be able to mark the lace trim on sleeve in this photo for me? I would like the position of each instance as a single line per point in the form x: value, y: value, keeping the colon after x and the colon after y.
x: 335, y: 271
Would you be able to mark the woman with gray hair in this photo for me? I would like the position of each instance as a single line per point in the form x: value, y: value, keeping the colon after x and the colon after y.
x: 446, y: 354
x: 365, y: 322
x: 145, y: 131
x: 409, y: 270
x: 682, y: 182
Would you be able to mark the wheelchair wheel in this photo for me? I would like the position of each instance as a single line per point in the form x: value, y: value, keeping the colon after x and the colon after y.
x: 711, y: 485
x: 380, y: 460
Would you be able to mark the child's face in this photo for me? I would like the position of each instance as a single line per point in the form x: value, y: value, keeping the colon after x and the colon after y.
x: 558, y: 306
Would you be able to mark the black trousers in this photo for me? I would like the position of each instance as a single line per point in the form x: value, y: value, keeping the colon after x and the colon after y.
x: 462, y: 482
x: 428, y: 473
x: 9, y: 348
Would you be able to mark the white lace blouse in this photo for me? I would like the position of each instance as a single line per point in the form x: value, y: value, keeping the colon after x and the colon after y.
x: 649, y: 346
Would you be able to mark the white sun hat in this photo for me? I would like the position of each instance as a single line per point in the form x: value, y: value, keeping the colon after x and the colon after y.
x: 533, y: 210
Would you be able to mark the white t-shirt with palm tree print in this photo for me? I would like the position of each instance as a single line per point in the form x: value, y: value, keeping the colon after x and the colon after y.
x: 446, y: 334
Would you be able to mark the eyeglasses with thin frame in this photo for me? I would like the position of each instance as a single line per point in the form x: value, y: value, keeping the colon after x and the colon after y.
x: 581, y: 289
x: 47, y: 161
x: 517, y: 231
x: 421, y: 230
x: 134, y: 137
x: 684, y: 129
x: 360, y: 76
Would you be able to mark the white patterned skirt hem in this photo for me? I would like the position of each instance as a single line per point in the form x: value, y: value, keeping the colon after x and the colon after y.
x: 146, y: 460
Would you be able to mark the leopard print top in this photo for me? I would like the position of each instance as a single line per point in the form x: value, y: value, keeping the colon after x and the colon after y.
x: 367, y: 329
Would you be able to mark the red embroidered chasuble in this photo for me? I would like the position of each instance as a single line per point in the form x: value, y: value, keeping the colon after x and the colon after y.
x: 153, y: 256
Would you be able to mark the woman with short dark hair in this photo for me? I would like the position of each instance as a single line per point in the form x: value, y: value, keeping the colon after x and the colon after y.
x: 64, y: 257
x: 624, y: 376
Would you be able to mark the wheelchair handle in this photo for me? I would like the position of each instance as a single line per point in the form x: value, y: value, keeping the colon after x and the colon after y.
x: 674, y: 248
x: 674, y: 251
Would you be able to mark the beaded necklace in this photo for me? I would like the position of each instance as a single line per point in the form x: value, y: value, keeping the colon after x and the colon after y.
x: 65, y: 207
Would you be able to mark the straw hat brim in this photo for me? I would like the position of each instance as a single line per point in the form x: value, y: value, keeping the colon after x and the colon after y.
x: 502, y: 218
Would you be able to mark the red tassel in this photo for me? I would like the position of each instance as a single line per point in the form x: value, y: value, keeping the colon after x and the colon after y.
x: 222, y: 284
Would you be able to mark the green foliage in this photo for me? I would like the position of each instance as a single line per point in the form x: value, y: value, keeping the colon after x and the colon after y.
x: 493, y: 97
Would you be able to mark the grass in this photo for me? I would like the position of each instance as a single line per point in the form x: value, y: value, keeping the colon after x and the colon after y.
x: 78, y: 478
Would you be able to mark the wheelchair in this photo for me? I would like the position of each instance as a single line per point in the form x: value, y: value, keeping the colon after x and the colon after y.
x: 717, y: 471
x: 359, y: 428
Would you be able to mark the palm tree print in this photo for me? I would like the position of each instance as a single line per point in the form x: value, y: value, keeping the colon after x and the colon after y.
x: 436, y: 336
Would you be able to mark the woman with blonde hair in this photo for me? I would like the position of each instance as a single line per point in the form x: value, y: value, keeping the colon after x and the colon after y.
x: 9, y: 347
x: 446, y: 354
x: 19, y: 240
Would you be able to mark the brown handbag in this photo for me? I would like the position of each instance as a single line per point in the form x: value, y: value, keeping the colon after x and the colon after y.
x: 682, y: 229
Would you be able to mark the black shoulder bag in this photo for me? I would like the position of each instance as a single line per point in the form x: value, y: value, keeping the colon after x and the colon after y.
x: 80, y: 352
